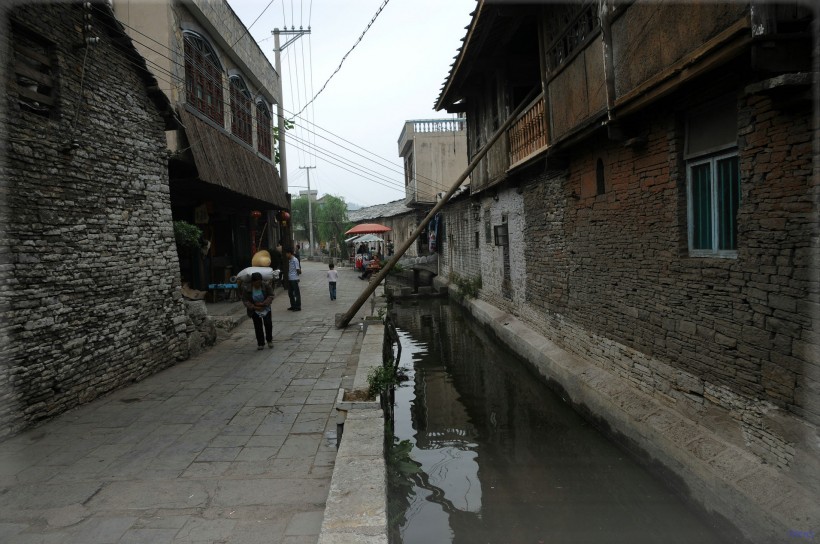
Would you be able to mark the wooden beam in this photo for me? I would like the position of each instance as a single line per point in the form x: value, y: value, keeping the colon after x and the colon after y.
x: 344, y: 320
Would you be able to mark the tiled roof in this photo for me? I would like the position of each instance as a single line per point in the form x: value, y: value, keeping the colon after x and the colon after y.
x: 390, y: 209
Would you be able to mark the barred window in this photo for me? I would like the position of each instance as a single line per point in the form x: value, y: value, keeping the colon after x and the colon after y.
x: 241, y: 110
x: 263, y: 129
x: 581, y: 23
x: 203, y: 78
x: 34, y: 71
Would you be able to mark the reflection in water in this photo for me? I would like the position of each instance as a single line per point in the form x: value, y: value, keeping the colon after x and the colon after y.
x: 505, y: 460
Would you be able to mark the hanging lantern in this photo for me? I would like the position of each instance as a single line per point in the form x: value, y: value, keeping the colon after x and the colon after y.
x: 256, y: 214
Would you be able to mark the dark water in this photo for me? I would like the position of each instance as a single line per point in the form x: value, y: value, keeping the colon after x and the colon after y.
x: 503, y: 459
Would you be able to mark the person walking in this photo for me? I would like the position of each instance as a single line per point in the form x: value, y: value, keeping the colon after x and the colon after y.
x: 332, y: 278
x: 257, y: 298
x: 294, y: 270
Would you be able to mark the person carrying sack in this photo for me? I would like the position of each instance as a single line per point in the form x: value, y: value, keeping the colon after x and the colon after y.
x: 257, y: 296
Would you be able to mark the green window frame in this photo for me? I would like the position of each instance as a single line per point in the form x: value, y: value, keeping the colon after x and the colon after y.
x: 713, y: 198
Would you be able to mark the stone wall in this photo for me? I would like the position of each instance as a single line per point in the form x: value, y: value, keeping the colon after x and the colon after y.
x: 458, y: 256
x: 90, y: 287
x: 699, y: 332
x: 731, y: 342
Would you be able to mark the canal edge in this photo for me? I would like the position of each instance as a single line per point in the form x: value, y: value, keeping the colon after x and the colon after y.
x: 732, y: 485
x: 356, y: 507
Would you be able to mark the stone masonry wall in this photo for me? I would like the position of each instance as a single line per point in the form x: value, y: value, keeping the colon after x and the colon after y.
x: 90, y: 273
x: 461, y: 259
x: 609, y: 277
x: 458, y: 256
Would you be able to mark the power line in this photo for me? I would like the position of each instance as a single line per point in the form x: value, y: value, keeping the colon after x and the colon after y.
x: 378, y: 11
x: 350, y: 163
x: 219, y: 83
x: 253, y: 23
x: 363, y: 171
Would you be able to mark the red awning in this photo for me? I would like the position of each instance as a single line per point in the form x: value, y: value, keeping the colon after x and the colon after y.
x: 369, y: 228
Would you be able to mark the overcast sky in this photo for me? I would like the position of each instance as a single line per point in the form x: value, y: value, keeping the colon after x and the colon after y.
x: 394, y: 74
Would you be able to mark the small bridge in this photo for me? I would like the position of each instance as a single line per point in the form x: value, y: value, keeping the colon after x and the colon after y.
x: 425, y: 263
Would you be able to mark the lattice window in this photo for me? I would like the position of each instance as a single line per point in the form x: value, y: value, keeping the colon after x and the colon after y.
x: 263, y: 129
x: 241, y: 124
x: 203, y: 78
x: 34, y: 71
x: 581, y: 25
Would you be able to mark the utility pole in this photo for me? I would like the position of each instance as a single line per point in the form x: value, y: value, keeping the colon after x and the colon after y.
x: 280, y: 114
x: 310, y: 208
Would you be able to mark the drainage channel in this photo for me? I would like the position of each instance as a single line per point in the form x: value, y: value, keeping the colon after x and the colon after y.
x: 485, y: 452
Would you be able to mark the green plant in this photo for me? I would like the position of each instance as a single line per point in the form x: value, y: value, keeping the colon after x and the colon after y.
x: 467, y: 287
x: 381, y: 313
x: 187, y: 235
x: 397, y: 269
x: 381, y: 378
x: 288, y: 125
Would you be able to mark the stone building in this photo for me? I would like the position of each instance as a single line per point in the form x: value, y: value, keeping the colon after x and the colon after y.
x: 223, y: 158
x: 90, y: 294
x: 652, y: 209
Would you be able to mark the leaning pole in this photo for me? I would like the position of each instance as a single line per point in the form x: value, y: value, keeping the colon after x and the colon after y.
x: 344, y: 320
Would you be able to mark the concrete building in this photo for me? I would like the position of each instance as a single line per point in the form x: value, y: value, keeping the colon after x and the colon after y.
x: 222, y: 161
x: 653, y: 210
x: 434, y: 152
x: 89, y: 287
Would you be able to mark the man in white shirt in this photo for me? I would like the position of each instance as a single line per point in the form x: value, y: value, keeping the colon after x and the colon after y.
x: 294, y: 270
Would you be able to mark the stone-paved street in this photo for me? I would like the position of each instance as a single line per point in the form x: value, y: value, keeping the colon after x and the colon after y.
x: 235, y: 445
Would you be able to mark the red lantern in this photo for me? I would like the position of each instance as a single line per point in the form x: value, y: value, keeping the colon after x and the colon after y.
x: 284, y: 216
x: 256, y: 214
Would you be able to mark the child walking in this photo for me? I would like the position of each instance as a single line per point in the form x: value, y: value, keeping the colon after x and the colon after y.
x: 332, y: 278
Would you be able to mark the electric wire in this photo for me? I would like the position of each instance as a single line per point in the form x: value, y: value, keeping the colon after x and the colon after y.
x: 378, y: 11
x: 253, y: 23
x: 181, y: 65
x: 180, y: 85
x: 340, y: 158
x: 392, y: 164
x: 340, y: 165
x: 306, y: 147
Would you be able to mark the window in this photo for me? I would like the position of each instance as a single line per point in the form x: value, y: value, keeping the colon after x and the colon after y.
x: 263, y: 129
x: 203, y: 78
x: 408, y: 169
x: 579, y: 24
x: 501, y: 234
x: 712, y: 180
x: 714, y: 196
x: 34, y: 71
x: 240, y: 109
x: 600, y: 181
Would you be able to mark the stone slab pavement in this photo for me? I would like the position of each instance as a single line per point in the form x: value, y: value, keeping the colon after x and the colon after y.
x: 235, y: 445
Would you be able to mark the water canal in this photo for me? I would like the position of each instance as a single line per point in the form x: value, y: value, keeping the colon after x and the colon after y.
x: 502, y: 459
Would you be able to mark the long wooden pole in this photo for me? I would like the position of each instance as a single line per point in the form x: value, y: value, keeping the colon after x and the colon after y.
x: 344, y: 320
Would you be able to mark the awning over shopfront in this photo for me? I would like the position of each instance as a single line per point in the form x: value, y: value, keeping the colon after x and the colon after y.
x: 224, y: 162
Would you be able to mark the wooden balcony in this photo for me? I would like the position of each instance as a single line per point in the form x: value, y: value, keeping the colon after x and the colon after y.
x: 528, y: 135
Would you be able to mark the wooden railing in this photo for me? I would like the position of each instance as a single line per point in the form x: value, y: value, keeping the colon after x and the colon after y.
x: 528, y: 133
